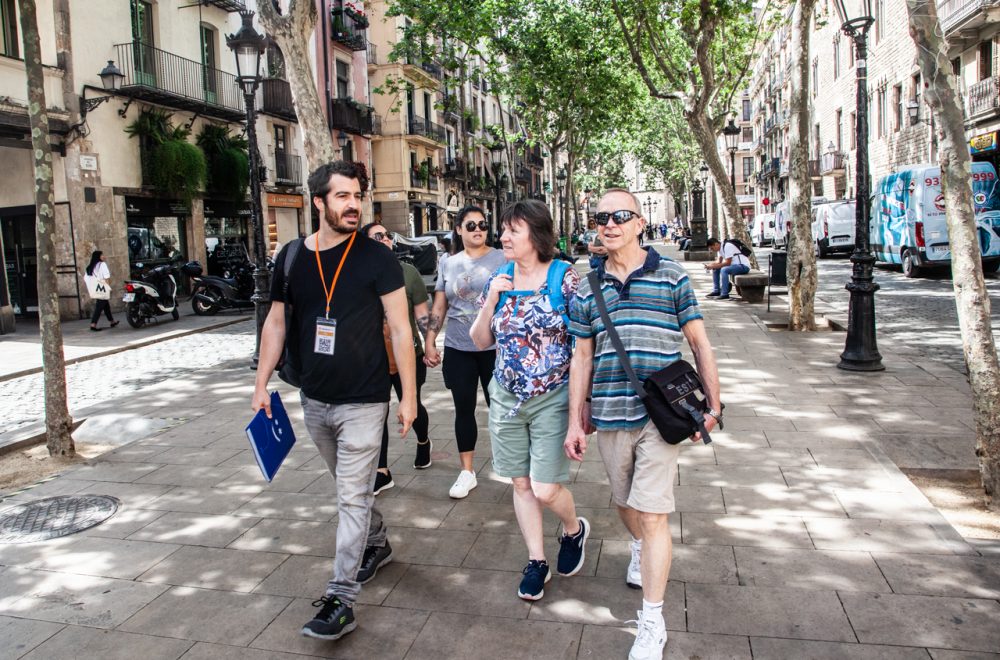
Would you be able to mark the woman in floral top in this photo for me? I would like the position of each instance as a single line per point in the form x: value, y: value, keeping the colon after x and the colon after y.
x: 529, y: 393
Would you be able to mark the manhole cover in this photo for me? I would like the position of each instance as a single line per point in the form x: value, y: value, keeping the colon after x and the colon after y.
x: 54, y: 517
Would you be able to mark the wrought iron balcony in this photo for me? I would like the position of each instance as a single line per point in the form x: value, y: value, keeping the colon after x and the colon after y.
x: 831, y: 163
x: 535, y: 158
x: 376, y: 124
x: 422, y: 127
x: 455, y: 169
x: 432, y: 68
x: 433, y: 183
x: 964, y: 14
x: 770, y: 124
x: 814, y: 169
x: 351, y: 116
x: 227, y: 5
x: 287, y: 169
x: 450, y: 108
x: 276, y: 98
x: 160, y: 77
x: 416, y: 180
x: 771, y: 168
x: 523, y: 174
x: 982, y: 98
x: 372, y: 55
x: 348, y: 27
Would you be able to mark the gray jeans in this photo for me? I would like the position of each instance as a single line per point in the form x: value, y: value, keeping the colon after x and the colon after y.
x: 349, y: 437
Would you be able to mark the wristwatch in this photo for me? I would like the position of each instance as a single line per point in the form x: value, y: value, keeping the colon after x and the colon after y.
x: 717, y: 414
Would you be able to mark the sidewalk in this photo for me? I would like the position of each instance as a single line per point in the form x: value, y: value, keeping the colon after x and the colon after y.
x: 796, y: 534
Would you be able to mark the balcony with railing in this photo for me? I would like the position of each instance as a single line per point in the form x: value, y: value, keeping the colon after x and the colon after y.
x: 418, y: 126
x: 372, y: 55
x: 455, y: 168
x: 831, y: 163
x: 347, y: 27
x: 276, y: 98
x: 351, y: 116
x: 535, y: 158
x: 982, y: 98
x: 376, y: 124
x: 287, y: 169
x: 157, y: 76
x: 227, y: 5
x: 522, y: 174
x: 417, y: 179
x: 433, y: 183
x: 450, y: 108
x: 964, y: 14
x: 813, y: 166
x: 770, y: 124
x: 772, y: 167
x: 433, y: 68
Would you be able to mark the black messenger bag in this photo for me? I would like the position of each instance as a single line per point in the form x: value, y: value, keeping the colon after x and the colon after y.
x: 674, y: 397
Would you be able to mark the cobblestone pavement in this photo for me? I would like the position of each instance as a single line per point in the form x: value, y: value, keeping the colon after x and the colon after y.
x: 121, y: 374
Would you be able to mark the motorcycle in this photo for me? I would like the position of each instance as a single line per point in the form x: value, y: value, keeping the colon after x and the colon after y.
x: 153, y: 294
x: 211, y: 293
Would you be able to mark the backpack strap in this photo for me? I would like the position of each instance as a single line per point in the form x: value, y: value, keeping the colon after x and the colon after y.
x: 290, y: 255
x: 508, y: 270
x: 554, y: 282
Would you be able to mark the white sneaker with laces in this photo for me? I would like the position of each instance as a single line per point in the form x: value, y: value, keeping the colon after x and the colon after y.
x: 649, y: 639
x: 466, y: 482
x: 633, y: 577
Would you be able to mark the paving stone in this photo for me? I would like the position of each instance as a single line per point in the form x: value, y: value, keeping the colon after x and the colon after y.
x: 297, y: 537
x: 289, y: 481
x: 844, y: 457
x: 885, y: 536
x: 78, y: 599
x: 782, y: 501
x: 766, y: 648
x: 601, y: 601
x: 110, y: 471
x: 207, y: 616
x: 767, y: 612
x: 413, y: 512
x: 482, y: 516
x: 194, y: 529
x: 78, y: 642
x: 430, y: 547
x: 809, y: 569
x: 699, y: 499
x: 463, y: 591
x: 484, y: 637
x: 884, y: 505
x: 206, y: 651
x: 435, y: 487
x: 835, y: 478
x: 759, y: 531
x: 691, y: 563
x: 201, y: 500
x: 188, y: 475
x: 758, y: 423
x: 289, y: 506
x: 940, y: 452
x: 591, y: 495
x: 602, y: 642
x: 133, y: 494
x: 21, y: 635
x: 134, y: 453
x: 607, y: 524
x: 730, y: 475
x: 765, y: 456
x: 964, y: 624
x: 125, y: 522
x: 114, y: 558
x: 940, y: 654
x: 592, y: 472
x: 813, y: 440
x: 384, y: 633
x: 507, y: 552
x: 942, y: 575
x: 49, y: 488
x: 214, y: 568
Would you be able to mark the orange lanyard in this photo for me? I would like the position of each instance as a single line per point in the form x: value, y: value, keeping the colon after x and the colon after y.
x: 336, y: 275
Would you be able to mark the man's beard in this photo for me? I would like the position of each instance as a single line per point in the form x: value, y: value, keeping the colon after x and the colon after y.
x: 333, y: 222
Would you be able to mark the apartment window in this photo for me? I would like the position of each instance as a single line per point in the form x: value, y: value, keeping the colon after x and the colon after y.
x: 836, y: 58
x: 881, y: 112
x: 208, y: 63
x: 428, y: 107
x: 916, y: 85
x: 343, y: 79
x: 815, y: 77
x: 817, y: 142
x: 879, y: 19
x: 8, y: 29
x: 280, y: 139
x: 956, y: 66
x: 275, y: 62
x: 747, y: 168
x: 347, y: 153
x: 840, y: 129
x: 143, y: 52
x: 854, y: 131
x: 747, y: 134
x: 897, y: 107
x: 986, y: 60
x: 746, y: 109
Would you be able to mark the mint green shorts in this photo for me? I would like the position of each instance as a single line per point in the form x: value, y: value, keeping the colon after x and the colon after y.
x: 530, y: 444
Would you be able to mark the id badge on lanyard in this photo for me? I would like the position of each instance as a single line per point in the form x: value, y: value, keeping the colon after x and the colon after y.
x: 326, y: 336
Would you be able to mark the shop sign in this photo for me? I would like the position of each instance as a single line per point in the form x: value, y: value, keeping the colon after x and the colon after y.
x: 223, y: 209
x: 275, y: 200
x: 983, y: 143
x: 152, y: 206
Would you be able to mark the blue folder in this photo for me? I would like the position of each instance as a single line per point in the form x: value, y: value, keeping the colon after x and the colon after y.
x: 271, y: 439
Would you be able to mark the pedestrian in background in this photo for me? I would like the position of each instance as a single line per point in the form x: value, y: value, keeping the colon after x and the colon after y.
x: 98, y: 281
x: 466, y: 367
x: 523, y: 311
x: 416, y: 303
x: 730, y: 262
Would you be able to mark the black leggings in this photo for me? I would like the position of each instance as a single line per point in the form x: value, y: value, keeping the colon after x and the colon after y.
x: 101, y: 306
x: 464, y: 372
x: 420, y: 425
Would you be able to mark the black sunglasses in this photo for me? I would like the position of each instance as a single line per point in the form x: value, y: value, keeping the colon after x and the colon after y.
x: 381, y: 236
x: 472, y: 224
x: 620, y: 217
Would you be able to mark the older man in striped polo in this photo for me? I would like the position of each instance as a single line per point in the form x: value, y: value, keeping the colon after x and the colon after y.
x: 653, y: 307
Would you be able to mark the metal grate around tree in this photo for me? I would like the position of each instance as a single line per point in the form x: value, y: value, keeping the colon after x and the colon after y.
x: 54, y: 517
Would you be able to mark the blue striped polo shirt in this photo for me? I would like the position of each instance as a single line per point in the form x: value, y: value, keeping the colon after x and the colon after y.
x: 648, y: 310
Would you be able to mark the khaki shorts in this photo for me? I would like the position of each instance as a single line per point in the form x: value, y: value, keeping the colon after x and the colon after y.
x: 642, y: 468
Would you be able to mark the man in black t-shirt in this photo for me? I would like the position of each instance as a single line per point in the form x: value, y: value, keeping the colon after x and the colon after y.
x: 340, y: 287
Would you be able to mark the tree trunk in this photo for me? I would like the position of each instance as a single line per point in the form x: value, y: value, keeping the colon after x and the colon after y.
x: 58, y: 423
x: 706, y: 138
x: 292, y: 32
x: 971, y: 297
x: 802, y: 276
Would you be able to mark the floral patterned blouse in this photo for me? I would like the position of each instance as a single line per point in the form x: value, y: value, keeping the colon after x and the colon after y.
x: 534, y: 347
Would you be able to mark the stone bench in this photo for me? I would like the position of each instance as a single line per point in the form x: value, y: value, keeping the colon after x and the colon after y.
x: 751, y: 287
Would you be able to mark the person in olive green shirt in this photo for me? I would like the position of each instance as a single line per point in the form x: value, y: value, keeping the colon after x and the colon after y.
x: 417, y: 302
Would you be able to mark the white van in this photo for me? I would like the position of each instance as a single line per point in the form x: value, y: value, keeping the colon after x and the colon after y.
x: 783, y: 220
x: 908, y: 225
x: 763, y: 229
x: 833, y: 227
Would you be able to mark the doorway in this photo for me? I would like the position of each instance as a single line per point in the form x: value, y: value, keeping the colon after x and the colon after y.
x: 20, y: 260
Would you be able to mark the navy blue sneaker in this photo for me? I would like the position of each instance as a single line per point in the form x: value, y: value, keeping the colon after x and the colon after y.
x: 374, y: 559
x: 333, y: 621
x: 536, y: 574
x: 572, y: 550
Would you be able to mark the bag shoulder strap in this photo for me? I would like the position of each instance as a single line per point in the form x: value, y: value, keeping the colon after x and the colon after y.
x: 290, y: 255
x: 616, y: 341
x: 554, y: 282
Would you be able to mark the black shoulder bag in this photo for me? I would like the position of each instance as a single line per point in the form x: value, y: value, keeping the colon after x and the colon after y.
x: 674, y: 397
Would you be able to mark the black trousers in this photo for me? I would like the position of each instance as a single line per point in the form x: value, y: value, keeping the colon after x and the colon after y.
x: 464, y: 372
x: 421, y: 424
x: 101, y: 306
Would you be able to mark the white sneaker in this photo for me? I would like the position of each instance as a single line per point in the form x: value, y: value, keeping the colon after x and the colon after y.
x: 466, y: 481
x: 633, y: 578
x: 649, y: 639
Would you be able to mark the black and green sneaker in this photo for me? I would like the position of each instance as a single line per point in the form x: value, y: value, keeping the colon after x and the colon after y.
x: 333, y: 621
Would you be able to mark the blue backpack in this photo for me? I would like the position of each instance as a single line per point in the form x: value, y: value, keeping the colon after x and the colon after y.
x: 553, y: 287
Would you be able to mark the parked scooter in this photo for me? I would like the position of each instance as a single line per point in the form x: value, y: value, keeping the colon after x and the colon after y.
x: 155, y: 293
x: 210, y: 293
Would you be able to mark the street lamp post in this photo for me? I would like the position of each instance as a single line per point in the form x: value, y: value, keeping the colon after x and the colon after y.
x: 496, y: 158
x: 861, y: 350
x: 698, y: 250
x: 561, y: 177
x: 249, y: 46
x: 732, y: 135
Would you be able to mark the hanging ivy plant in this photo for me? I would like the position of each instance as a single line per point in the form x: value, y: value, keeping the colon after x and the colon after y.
x: 174, y: 166
x: 227, y: 159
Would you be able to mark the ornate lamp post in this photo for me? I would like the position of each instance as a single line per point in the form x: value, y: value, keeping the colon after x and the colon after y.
x: 249, y: 46
x: 561, y: 184
x: 698, y: 250
x: 496, y: 159
x: 861, y: 350
x: 732, y: 135
x: 342, y: 141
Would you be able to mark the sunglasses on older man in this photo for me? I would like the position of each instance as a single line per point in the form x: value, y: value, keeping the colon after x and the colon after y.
x: 472, y: 224
x: 620, y: 217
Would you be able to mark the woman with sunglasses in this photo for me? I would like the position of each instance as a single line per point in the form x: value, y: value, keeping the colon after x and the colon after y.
x: 524, y: 312
x: 416, y: 299
x: 466, y: 368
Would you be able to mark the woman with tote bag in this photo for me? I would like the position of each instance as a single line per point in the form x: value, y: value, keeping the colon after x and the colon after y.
x: 99, y: 288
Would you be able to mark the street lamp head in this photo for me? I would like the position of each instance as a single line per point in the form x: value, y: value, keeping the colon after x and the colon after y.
x: 913, y: 109
x: 342, y: 139
x: 732, y: 135
x: 249, y: 46
x: 831, y: 148
x: 858, y: 21
x: 111, y: 77
x: 562, y: 175
x: 703, y: 173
